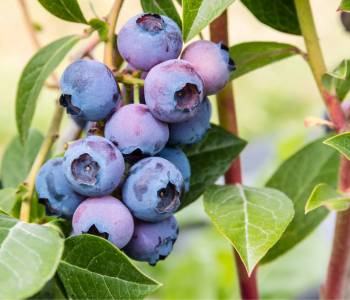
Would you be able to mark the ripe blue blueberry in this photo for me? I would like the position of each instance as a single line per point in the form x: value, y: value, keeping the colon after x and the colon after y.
x: 152, y: 242
x: 179, y: 159
x: 133, y: 128
x: 93, y: 166
x: 193, y: 130
x: 89, y: 90
x: 149, y: 39
x: 212, y: 62
x: 106, y: 217
x: 173, y: 91
x: 153, y: 189
x: 54, y: 191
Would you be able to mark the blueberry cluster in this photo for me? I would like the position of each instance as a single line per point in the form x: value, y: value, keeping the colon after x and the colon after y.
x: 138, y: 158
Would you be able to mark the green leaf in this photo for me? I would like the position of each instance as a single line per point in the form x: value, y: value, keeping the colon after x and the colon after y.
x: 338, y: 81
x: 162, y: 7
x: 340, y: 142
x: 101, y: 27
x: 8, y: 200
x: 53, y: 289
x: 68, y: 10
x: 252, y: 219
x: 325, y: 195
x: 18, y: 159
x: 29, y: 256
x: 345, y: 5
x: 278, y: 14
x: 253, y: 55
x: 210, y: 159
x: 197, y: 14
x: 92, y: 268
x: 33, y: 78
x: 296, y: 177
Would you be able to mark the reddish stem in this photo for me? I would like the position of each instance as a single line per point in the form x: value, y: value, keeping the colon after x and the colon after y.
x: 339, y: 263
x: 228, y: 120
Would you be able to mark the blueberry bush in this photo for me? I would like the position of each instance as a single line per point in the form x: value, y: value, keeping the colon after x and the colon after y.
x: 82, y: 213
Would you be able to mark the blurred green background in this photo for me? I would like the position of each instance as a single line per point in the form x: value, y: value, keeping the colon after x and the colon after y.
x: 271, y: 103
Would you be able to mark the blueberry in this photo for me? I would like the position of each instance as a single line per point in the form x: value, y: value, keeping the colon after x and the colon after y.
x: 106, y: 217
x: 133, y: 128
x: 345, y: 19
x: 149, y: 39
x: 193, y: 130
x: 93, y: 166
x: 89, y: 90
x: 179, y: 159
x: 152, y: 242
x: 212, y: 62
x: 153, y: 189
x: 173, y: 91
x: 54, y: 191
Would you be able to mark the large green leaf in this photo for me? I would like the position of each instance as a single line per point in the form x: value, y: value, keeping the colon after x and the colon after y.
x: 338, y: 81
x: 254, y: 55
x: 210, y: 159
x: 92, y: 268
x: 29, y: 256
x: 8, y: 201
x: 68, y: 10
x: 162, y: 7
x: 345, y: 5
x: 33, y: 77
x: 296, y: 177
x: 340, y: 142
x: 197, y: 14
x: 327, y: 196
x: 252, y: 219
x: 18, y: 159
x: 278, y: 14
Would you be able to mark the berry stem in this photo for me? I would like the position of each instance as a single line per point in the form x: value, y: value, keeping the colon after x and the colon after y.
x: 110, y: 44
x: 228, y: 120
x: 339, y: 264
x: 50, y: 138
x: 128, y: 79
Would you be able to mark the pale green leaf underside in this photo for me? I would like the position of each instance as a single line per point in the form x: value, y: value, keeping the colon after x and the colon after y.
x: 33, y: 77
x: 197, y: 14
x: 325, y: 195
x: 252, y: 219
x: 29, y: 255
x: 340, y: 142
x: 250, y: 56
x: 92, y: 268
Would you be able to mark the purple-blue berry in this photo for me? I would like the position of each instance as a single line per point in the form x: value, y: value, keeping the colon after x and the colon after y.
x: 106, y: 217
x: 173, y: 91
x: 54, y: 191
x: 93, y: 166
x: 179, y: 159
x: 89, y: 90
x: 149, y: 39
x: 152, y: 242
x: 212, y: 62
x: 192, y: 130
x: 153, y: 189
x: 133, y: 128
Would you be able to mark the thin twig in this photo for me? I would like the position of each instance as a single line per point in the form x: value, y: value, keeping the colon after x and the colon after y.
x: 110, y: 44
